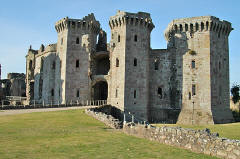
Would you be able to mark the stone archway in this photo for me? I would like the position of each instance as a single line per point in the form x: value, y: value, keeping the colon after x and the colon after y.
x: 100, y: 90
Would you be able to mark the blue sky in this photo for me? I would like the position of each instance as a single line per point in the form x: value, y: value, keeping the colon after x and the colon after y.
x: 25, y: 22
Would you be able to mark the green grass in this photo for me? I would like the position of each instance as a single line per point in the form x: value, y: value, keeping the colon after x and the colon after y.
x: 231, y: 131
x: 73, y: 134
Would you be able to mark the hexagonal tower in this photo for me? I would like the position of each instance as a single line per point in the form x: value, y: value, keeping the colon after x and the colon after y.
x: 76, y: 41
x: 202, y: 57
x: 129, y: 62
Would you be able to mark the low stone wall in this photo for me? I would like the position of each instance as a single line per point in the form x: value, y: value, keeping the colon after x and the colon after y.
x: 107, y: 119
x: 200, y: 141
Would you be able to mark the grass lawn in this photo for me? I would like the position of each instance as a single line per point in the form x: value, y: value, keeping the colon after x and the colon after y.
x: 73, y: 134
x: 231, y: 131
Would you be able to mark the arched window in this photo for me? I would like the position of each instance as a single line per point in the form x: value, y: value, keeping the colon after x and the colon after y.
x: 117, y: 62
x: 119, y: 38
x: 181, y: 27
x: 77, y: 40
x: 135, y: 38
x: 197, y: 26
x: 207, y: 24
x: 52, y: 92
x: 53, y: 65
x: 176, y: 28
x: 135, y: 62
x: 116, y: 93
x: 135, y: 94
x: 156, y: 64
x: 186, y: 27
x: 30, y: 64
x: 78, y: 93
x: 193, y: 89
x: 77, y: 63
x: 189, y: 96
x: 61, y: 41
x: 159, y: 92
x: 193, y: 64
x: 202, y: 26
x: 191, y: 27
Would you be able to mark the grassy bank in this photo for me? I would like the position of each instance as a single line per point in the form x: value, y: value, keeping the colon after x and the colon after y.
x: 73, y: 134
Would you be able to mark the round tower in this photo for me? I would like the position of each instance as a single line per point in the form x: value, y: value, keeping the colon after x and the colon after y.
x: 129, y: 58
x: 202, y: 64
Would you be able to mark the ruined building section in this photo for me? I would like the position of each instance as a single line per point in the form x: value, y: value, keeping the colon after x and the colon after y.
x: 191, y: 76
x: 201, y: 48
x: 14, y: 85
x: 130, y: 61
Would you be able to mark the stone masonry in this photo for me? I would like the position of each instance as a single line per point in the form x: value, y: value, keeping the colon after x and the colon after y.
x: 191, y: 75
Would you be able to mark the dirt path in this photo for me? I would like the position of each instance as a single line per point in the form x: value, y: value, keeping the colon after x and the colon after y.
x: 23, y: 111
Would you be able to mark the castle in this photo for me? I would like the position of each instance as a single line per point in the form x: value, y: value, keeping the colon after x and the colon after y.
x: 191, y: 75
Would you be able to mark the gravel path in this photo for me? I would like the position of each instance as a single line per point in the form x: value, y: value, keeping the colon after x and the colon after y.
x: 23, y: 111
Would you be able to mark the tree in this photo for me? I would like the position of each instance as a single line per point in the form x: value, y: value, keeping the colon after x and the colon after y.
x: 235, y: 93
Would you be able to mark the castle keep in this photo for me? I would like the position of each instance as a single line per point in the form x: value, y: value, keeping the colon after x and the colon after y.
x: 191, y: 75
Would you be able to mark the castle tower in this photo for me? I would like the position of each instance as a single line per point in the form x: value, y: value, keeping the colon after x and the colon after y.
x: 30, y: 67
x: 76, y: 41
x: 202, y: 61
x: 129, y: 66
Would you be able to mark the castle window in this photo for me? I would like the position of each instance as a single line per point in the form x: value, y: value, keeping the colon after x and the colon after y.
x: 77, y: 40
x: 193, y: 89
x: 193, y: 64
x: 30, y: 64
x: 77, y: 63
x: 116, y: 93
x: 181, y: 27
x: 135, y: 94
x: 176, y: 28
x: 207, y: 24
x: 186, y: 27
x: 73, y: 24
x: 52, y: 92
x: 189, y: 96
x: 117, y: 62
x: 78, y: 93
x: 119, y: 38
x: 191, y: 27
x: 135, y: 38
x: 61, y: 41
x: 202, y: 26
x: 53, y: 65
x: 219, y: 65
x: 135, y: 62
x: 159, y: 92
x: 197, y: 26
x: 156, y: 64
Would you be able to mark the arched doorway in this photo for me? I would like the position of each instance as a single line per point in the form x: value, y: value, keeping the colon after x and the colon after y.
x: 100, y: 90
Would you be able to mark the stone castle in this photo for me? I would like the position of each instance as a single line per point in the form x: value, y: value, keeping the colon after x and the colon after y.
x: 190, y: 76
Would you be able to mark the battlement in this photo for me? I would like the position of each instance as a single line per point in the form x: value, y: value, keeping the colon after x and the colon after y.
x: 199, y: 24
x: 86, y: 23
x: 123, y: 18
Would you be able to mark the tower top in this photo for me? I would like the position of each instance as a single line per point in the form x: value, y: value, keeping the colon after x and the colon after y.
x: 140, y: 18
x: 87, y: 22
x: 195, y: 24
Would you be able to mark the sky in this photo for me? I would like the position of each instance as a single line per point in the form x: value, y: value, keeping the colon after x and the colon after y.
x: 31, y: 22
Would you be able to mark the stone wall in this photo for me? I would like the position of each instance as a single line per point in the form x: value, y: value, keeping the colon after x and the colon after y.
x: 200, y: 141
x: 109, y: 120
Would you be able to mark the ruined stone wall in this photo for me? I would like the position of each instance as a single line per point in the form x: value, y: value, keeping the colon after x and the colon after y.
x: 200, y: 141
x: 46, y: 70
x: 159, y: 84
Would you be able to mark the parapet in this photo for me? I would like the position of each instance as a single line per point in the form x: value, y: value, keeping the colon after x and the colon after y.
x: 199, y: 24
x: 87, y: 22
x: 122, y: 18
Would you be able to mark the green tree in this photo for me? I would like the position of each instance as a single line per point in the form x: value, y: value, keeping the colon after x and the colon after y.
x: 235, y: 93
